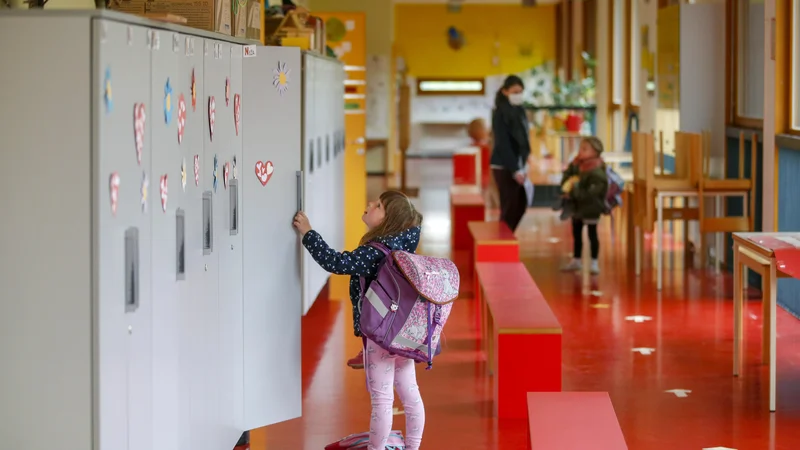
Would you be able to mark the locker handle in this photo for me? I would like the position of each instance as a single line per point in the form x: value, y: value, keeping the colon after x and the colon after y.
x: 233, y: 186
x: 180, y: 244
x: 131, y: 269
x: 208, y: 224
x: 299, y: 190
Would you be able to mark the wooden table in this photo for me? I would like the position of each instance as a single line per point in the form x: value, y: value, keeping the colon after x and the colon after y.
x: 773, y: 256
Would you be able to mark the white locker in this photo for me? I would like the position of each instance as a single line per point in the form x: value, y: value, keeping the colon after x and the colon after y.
x: 158, y: 296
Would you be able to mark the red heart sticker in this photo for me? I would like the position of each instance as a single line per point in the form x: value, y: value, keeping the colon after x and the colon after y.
x: 212, y: 117
x: 164, y: 193
x: 139, y: 119
x: 113, y: 185
x: 264, y: 171
x: 181, y: 117
x: 237, y: 111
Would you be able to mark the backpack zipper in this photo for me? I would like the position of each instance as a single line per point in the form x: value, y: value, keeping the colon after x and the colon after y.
x: 391, y: 321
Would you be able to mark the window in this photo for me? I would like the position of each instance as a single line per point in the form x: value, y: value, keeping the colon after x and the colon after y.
x: 618, y: 49
x: 635, y: 37
x: 750, y: 61
x: 429, y: 86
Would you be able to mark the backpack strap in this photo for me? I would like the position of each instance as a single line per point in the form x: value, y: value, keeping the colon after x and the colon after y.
x: 383, y: 249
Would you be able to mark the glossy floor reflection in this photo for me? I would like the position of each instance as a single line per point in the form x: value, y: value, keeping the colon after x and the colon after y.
x: 687, y: 345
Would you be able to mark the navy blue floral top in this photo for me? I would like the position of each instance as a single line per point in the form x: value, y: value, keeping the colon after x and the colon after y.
x: 361, y: 262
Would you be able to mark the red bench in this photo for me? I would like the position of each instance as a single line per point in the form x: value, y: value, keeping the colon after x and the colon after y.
x: 493, y: 242
x: 467, y: 166
x: 521, y: 336
x: 573, y: 421
x: 466, y: 205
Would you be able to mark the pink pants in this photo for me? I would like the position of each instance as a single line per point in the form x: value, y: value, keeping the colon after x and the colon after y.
x: 384, y: 370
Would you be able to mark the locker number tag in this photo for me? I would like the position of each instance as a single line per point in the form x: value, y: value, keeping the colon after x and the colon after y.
x: 264, y: 171
x: 212, y: 117
x: 237, y: 111
x: 249, y: 51
x: 181, y: 117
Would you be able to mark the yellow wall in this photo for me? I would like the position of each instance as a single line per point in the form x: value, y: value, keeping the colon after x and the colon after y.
x: 378, y: 15
x: 421, y: 38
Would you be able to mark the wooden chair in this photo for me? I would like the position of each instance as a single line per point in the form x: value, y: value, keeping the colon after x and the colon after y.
x: 647, y: 185
x: 708, y: 186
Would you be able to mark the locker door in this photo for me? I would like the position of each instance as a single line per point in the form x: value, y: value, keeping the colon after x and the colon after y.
x: 215, y: 144
x: 192, y: 304
x: 230, y: 252
x: 272, y: 301
x: 124, y: 303
x: 166, y: 203
x: 310, y: 163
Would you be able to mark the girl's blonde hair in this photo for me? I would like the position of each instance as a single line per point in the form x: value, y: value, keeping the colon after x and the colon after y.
x: 400, y: 215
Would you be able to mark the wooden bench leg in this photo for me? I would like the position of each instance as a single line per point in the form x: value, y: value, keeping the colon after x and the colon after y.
x: 525, y: 363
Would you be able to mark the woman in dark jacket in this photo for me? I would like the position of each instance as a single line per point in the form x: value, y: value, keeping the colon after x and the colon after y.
x: 509, y: 161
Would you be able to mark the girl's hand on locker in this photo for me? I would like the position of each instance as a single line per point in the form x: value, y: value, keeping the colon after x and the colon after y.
x: 301, y: 223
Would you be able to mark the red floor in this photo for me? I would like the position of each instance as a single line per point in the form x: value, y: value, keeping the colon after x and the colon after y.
x: 690, y: 334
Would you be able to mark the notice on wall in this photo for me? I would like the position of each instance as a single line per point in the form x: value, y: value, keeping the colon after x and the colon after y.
x: 378, y: 96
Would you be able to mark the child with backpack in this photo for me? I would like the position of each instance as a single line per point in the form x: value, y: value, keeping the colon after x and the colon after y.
x: 392, y: 237
x: 585, y: 187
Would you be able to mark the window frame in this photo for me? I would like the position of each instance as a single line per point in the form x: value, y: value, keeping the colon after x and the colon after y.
x: 634, y: 81
x: 478, y: 93
x: 734, y: 41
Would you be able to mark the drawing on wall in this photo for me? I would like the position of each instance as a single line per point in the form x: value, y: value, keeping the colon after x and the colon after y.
x: 113, y: 187
x: 335, y: 31
x: 280, y: 78
x: 181, y: 117
x: 139, y: 119
x: 107, y: 97
x: 455, y: 38
x: 264, y: 171
x: 167, y: 102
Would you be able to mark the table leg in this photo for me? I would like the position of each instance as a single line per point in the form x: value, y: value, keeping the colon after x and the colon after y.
x: 659, y: 240
x: 766, y: 314
x: 772, y: 280
x: 737, y: 311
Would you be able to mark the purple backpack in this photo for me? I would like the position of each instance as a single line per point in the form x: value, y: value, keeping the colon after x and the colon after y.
x: 405, y: 307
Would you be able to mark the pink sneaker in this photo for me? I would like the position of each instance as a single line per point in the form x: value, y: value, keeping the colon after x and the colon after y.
x: 357, y: 362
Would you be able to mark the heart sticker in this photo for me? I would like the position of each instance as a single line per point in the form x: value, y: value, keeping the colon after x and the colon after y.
x: 164, y: 192
x: 212, y: 116
x: 113, y: 186
x: 194, y: 93
x: 139, y: 119
x: 227, y: 92
x: 237, y: 111
x: 226, y: 170
x: 197, y: 170
x: 181, y: 117
x: 264, y: 171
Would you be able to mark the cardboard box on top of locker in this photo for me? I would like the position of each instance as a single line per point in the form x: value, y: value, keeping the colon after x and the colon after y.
x: 204, y: 15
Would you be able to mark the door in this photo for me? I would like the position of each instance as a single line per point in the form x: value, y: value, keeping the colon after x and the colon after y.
x: 351, y: 48
x: 124, y: 306
x: 167, y: 209
x: 271, y: 114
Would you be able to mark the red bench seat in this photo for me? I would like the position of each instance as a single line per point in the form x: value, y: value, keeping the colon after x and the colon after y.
x: 521, y: 336
x: 573, y: 421
x: 493, y: 242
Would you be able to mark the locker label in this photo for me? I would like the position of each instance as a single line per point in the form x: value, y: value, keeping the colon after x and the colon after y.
x: 113, y: 187
x: 189, y: 46
x: 183, y: 174
x: 143, y: 191
x: 264, y: 171
x: 249, y: 51
x: 139, y: 120
x: 237, y: 111
x: 176, y: 43
x: 205, y: 48
x: 164, y: 191
x: 131, y: 269
x: 180, y: 244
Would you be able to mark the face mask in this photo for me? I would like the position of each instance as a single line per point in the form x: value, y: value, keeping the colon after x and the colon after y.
x: 515, y: 99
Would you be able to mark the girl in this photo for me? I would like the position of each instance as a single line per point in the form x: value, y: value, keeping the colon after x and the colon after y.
x: 394, y: 222
x: 587, y: 194
x: 509, y: 160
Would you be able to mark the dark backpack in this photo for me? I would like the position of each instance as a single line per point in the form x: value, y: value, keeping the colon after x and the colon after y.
x: 614, y: 193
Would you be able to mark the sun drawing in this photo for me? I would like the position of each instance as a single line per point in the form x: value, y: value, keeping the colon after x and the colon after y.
x: 280, y: 78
